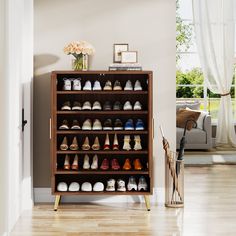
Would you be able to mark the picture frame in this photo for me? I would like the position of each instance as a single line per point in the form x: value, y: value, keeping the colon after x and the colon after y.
x: 129, y: 57
x: 118, y: 48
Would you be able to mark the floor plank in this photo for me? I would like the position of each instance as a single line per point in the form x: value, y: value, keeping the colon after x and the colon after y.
x: 210, y: 209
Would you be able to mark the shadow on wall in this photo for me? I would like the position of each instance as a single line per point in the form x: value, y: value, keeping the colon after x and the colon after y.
x: 41, y: 116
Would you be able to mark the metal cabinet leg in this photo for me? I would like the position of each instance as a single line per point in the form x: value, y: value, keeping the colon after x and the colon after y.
x: 147, y: 202
x: 57, y: 201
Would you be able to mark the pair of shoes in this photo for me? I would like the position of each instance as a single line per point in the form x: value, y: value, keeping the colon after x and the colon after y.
x: 108, y: 125
x: 63, y: 187
x: 111, y: 185
x: 114, y: 164
x: 68, y: 84
x: 73, y: 166
x: 116, y: 86
x: 137, y: 145
x: 74, y: 145
x: 87, y: 125
x: 97, y: 187
x: 129, y: 86
x: 93, y: 166
x: 129, y: 125
x: 136, y: 163
x: 88, y: 86
x: 95, y: 146
x: 132, y: 185
x: 66, y: 106
x: 96, y: 106
x: 128, y: 107
x: 65, y: 125
x: 115, y: 145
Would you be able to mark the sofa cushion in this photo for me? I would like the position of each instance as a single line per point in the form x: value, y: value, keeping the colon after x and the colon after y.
x: 200, y: 119
x: 183, y: 115
x: 193, y: 136
x: 191, y: 105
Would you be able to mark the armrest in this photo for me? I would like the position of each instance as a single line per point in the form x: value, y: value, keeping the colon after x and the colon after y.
x: 207, y: 127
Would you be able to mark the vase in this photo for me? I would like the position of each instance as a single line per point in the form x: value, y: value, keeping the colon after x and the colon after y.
x: 80, y: 62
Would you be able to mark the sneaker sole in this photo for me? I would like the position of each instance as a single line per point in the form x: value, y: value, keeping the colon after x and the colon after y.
x: 139, y: 128
x: 107, y: 128
x: 129, y: 128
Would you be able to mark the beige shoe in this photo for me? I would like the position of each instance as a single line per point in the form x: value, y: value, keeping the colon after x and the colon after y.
x: 74, y: 146
x: 115, y: 145
x: 107, y: 143
x: 75, y: 164
x: 96, y: 145
x: 64, y: 144
x: 94, y: 165
x: 86, y: 165
x: 126, y: 145
x: 86, y: 145
x: 67, y: 163
x: 137, y: 145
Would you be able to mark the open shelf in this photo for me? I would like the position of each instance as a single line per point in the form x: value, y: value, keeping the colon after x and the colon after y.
x: 105, y: 193
x: 140, y: 132
x: 102, y: 112
x: 101, y: 172
x: 104, y: 152
x: 101, y: 92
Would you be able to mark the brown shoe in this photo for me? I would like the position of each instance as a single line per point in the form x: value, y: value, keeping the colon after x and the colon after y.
x: 75, y: 125
x: 67, y: 163
x: 86, y: 145
x: 137, y: 164
x: 127, y: 165
x: 75, y: 165
x: 64, y: 144
x: 64, y: 125
x: 96, y: 145
x: 74, y: 146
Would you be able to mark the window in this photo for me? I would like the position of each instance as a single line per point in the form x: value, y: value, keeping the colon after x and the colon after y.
x: 190, y: 84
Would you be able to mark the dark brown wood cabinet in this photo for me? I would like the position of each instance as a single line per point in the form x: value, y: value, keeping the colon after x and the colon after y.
x: 59, y: 96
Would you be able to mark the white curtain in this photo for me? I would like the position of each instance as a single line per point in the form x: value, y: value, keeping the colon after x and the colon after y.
x: 214, y: 29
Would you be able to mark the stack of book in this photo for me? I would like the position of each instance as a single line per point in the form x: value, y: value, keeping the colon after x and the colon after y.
x: 125, y: 66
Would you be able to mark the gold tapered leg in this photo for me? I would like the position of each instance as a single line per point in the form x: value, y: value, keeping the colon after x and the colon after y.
x: 57, y: 201
x: 147, y: 202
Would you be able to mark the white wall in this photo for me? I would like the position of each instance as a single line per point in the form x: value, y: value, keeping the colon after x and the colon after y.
x: 148, y: 26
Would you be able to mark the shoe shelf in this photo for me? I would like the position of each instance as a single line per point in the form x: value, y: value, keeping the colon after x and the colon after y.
x: 132, y: 179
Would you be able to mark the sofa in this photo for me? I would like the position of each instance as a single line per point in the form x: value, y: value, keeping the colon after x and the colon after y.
x: 199, y: 137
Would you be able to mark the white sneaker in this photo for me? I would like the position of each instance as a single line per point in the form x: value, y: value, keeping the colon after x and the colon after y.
x: 98, y: 187
x: 87, y: 86
x: 128, y: 85
x: 67, y: 84
x: 74, y: 187
x: 86, y: 165
x: 87, y: 125
x: 97, y: 106
x: 137, y: 86
x: 110, y: 185
x: 94, y: 165
x: 127, y: 106
x: 126, y: 145
x: 137, y: 106
x: 142, y: 184
x: 137, y: 145
x: 132, y: 185
x: 62, y: 187
x: 121, y: 185
x: 76, y: 84
x: 97, y: 85
x: 86, y: 106
x: 86, y: 187
x: 97, y: 125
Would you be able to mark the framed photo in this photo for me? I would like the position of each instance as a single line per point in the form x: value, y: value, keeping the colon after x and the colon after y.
x: 129, y: 57
x: 118, y: 48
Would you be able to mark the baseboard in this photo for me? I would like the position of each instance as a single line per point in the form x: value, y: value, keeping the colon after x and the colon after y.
x: 43, y: 195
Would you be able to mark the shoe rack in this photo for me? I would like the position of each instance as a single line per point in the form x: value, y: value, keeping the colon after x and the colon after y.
x: 59, y: 96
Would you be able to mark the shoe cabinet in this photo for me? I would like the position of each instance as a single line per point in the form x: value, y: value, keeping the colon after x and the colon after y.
x: 59, y: 96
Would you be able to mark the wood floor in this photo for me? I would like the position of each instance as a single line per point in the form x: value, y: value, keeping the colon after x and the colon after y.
x: 210, y: 209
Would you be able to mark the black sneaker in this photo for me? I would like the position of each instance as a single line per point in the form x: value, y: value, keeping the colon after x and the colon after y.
x: 117, y: 106
x: 107, y: 106
x: 107, y: 125
x: 118, y: 125
x: 64, y: 125
x: 66, y: 106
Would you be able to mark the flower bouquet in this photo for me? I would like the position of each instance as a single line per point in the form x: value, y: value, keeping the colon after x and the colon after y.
x: 80, y: 50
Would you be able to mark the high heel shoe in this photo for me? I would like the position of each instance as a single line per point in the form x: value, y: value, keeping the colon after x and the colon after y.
x: 64, y: 144
x: 67, y: 163
x: 74, y: 146
x: 75, y: 165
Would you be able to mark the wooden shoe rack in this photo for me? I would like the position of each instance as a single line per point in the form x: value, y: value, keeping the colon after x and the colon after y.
x: 59, y: 96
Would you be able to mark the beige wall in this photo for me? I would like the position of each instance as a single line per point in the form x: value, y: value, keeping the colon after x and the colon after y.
x: 148, y: 26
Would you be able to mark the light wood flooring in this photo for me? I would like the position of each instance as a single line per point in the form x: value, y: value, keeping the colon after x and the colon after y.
x: 210, y: 209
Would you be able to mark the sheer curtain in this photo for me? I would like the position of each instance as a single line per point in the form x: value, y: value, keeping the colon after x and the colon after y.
x: 214, y: 28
